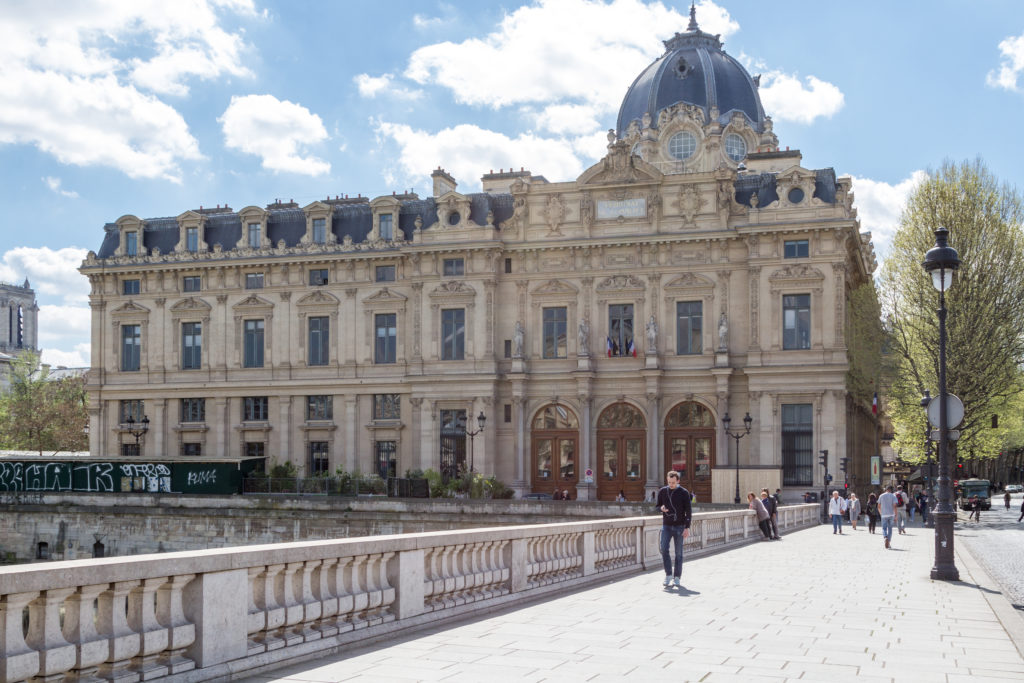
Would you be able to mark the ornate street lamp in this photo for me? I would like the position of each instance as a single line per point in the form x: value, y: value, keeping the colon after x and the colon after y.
x: 930, y: 522
x: 137, y: 431
x: 726, y: 421
x: 941, y: 262
x: 481, y: 420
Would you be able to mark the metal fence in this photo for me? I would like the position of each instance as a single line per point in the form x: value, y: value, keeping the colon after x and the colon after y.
x: 337, y: 486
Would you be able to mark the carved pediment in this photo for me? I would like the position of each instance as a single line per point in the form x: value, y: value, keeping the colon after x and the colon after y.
x: 690, y: 281
x: 318, y: 298
x: 797, y: 272
x: 252, y: 303
x: 385, y: 296
x: 130, y: 308
x: 620, y: 166
x: 191, y: 305
x: 555, y: 288
x: 620, y: 283
x: 453, y: 288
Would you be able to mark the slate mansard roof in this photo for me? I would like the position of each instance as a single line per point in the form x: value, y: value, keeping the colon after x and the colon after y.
x: 289, y: 224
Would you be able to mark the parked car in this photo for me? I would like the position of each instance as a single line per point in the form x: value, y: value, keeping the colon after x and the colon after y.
x: 1013, y: 488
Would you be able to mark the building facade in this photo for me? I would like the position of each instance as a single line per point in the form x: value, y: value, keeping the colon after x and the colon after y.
x: 19, y: 325
x: 604, y: 326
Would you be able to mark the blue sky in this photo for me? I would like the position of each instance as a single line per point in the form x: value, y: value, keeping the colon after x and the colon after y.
x: 152, y: 108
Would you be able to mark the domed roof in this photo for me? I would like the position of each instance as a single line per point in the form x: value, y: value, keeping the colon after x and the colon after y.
x: 694, y: 70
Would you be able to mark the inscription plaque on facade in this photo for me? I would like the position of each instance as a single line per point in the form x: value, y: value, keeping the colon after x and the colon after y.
x: 626, y: 208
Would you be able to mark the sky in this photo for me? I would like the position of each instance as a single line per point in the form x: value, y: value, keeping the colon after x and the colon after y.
x: 152, y: 108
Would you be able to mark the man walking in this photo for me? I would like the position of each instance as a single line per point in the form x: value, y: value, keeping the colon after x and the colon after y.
x: 836, y: 507
x: 772, y: 506
x: 901, y: 510
x: 674, y: 504
x: 887, y: 504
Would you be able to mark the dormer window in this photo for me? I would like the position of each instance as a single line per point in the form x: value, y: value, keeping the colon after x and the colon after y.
x: 386, y: 226
x: 254, y: 235
x: 682, y: 146
x: 131, y: 243
x: 192, y: 239
x: 319, y: 230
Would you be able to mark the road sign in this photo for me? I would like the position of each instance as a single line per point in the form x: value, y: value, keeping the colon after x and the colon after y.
x: 954, y: 411
x: 954, y: 434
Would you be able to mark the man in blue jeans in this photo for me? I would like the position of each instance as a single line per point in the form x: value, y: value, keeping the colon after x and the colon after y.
x: 674, y: 504
x: 887, y: 509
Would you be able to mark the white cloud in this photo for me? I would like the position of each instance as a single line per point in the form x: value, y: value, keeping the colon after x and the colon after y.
x: 786, y: 98
x: 275, y: 130
x: 371, y: 86
x: 467, y: 151
x: 76, y: 358
x: 54, y: 185
x: 423, y: 23
x: 879, y: 206
x: 1012, y: 64
x: 71, y: 88
x: 64, y: 334
x: 568, y: 118
x: 51, y: 273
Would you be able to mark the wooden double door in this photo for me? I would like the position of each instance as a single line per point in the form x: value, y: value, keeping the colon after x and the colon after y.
x: 689, y: 452
x: 621, y: 466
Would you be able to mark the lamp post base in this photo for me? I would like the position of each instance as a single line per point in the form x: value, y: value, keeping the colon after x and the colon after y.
x: 945, y: 567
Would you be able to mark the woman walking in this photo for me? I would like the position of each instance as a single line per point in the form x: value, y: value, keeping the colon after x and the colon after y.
x: 755, y: 504
x: 854, y: 506
x: 872, y: 510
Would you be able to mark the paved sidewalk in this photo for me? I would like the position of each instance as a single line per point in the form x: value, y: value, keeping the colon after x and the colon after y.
x: 812, y: 607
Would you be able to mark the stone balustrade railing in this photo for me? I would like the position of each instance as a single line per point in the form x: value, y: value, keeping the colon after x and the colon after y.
x: 191, y: 616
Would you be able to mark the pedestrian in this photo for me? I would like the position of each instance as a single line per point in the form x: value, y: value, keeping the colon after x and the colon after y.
x: 1021, y: 511
x: 975, y: 509
x: 1006, y: 498
x: 565, y: 494
x: 901, y: 510
x: 772, y: 507
x: 621, y: 498
x: 557, y: 495
x: 673, y: 503
x: 872, y: 512
x: 887, y: 506
x: 924, y: 507
x: 911, y: 506
x: 757, y: 505
x: 836, y: 507
x: 854, y: 506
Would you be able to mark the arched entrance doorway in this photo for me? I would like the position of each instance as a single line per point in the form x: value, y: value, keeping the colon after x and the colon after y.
x: 689, y: 445
x: 621, y: 452
x: 554, y: 434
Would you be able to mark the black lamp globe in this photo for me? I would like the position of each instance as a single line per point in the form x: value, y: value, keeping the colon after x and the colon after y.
x: 941, y: 261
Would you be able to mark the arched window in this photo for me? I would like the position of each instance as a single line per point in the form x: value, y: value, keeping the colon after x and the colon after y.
x: 621, y: 416
x: 555, y: 417
x: 689, y: 415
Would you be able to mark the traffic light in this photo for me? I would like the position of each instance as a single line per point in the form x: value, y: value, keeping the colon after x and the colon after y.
x: 823, y: 458
x: 844, y: 463
x: 847, y: 486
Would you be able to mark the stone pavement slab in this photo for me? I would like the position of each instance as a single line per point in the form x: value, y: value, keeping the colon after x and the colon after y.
x: 812, y: 607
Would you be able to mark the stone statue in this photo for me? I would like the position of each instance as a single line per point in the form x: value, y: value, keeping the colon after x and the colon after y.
x: 652, y: 335
x: 517, y: 340
x: 583, y: 337
x: 723, y: 332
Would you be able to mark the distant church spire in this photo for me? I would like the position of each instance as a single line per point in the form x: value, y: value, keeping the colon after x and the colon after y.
x: 693, y: 18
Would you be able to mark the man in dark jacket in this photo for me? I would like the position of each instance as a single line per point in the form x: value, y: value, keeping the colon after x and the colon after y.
x: 674, y: 505
x: 772, y: 506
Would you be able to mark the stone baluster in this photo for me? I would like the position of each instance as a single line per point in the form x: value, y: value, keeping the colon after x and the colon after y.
x: 256, y: 624
x: 80, y: 630
x: 122, y: 642
x: 380, y: 593
x: 181, y: 633
x: 17, y: 660
x: 266, y: 600
x: 284, y: 588
x: 360, y: 600
x: 342, y: 587
x: 322, y: 590
x: 153, y: 637
x: 56, y: 654
x: 311, y: 606
x: 447, y: 577
x: 432, y: 584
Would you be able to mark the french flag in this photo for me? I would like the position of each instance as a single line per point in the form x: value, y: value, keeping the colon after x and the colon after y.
x: 874, y: 404
x: 632, y: 349
x: 609, y: 340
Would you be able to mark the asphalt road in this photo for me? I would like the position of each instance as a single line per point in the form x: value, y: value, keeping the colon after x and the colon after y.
x: 997, y: 543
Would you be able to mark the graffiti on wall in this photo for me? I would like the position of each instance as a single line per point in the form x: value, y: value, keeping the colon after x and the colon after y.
x: 108, y: 477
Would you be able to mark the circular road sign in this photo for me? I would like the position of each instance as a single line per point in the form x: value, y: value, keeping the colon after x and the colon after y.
x: 954, y: 411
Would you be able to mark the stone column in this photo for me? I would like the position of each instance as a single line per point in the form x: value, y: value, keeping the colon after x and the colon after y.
x: 351, y: 460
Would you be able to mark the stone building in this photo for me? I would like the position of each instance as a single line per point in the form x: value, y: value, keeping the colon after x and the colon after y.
x: 19, y: 325
x: 604, y: 326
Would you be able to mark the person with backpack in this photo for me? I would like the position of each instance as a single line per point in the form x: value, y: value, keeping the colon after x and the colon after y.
x: 901, y: 510
x: 872, y: 512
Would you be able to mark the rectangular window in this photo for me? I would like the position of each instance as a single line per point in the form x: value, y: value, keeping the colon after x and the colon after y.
x: 797, y: 445
x: 453, y: 443
x: 191, y: 346
x: 555, y: 340
x: 131, y: 347
x: 192, y: 239
x: 133, y: 408
x: 318, y: 276
x: 508, y: 265
x: 193, y: 410
x: 190, y: 448
x: 387, y: 231
x: 319, y: 408
x: 385, y: 273
x: 319, y: 230
x: 454, y: 266
x: 620, y: 330
x: 387, y: 406
x: 319, y: 458
x: 255, y: 449
x: 130, y: 286
x: 254, y: 409
x: 253, y: 344
x: 453, y: 334
x: 508, y: 412
x: 130, y: 449
x: 796, y: 321
x: 131, y: 243
x: 386, y: 337
x: 386, y: 457
x: 254, y: 235
x: 508, y: 348
x: 319, y: 341
x: 796, y: 249
x: 191, y: 283
x: 254, y: 280
x: 689, y: 327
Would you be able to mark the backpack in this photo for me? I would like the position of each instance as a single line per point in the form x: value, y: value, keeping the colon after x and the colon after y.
x: 899, y: 500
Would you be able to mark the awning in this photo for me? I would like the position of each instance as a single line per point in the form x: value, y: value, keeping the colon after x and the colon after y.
x: 916, y: 475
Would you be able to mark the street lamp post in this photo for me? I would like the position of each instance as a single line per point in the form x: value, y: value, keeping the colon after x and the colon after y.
x: 726, y: 421
x: 941, y: 262
x: 481, y: 420
x: 137, y: 431
x: 925, y: 400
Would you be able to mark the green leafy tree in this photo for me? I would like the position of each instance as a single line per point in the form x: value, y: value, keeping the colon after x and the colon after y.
x: 43, y: 413
x: 985, y: 347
